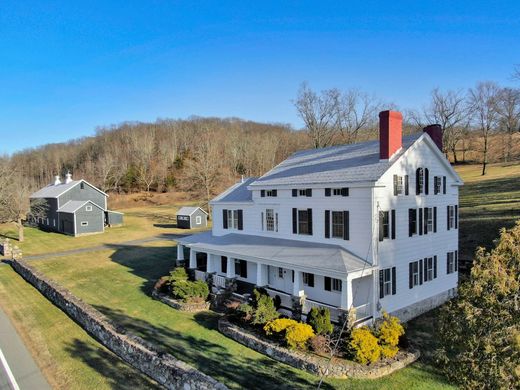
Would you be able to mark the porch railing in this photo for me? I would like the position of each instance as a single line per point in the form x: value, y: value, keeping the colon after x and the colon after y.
x: 363, y: 311
x: 219, y: 281
x: 200, y: 275
x: 309, y: 304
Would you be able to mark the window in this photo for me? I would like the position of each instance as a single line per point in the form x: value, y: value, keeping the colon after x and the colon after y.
x: 414, y: 274
x: 82, y: 186
x: 387, y: 282
x: 88, y: 208
x: 271, y: 193
x: 223, y: 264
x: 452, y: 223
x: 332, y: 284
x: 452, y: 262
x: 384, y: 226
x: 412, y: 222
x: 336, y: 284
x: 419, y: 181
x: 84, y: 223
x: 241, y: 268
x: 428, y: 269
x: 336, y: 191
x: 198, y: 219
x: 232, y: 219
x: 428, y: 220
x: 302, y: 221
x: 280, y: 272
x: 437, y: 181
x: 398, y: 185
x: 269, y: 220
x: 302, y: 192
x: 337, y: 224
x: 308, y: 279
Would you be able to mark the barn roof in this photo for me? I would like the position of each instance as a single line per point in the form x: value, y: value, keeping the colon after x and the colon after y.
x: 358, y: 162
x: 55, y: 191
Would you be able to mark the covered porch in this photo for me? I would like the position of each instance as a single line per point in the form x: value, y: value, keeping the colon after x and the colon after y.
x: 292, y: 272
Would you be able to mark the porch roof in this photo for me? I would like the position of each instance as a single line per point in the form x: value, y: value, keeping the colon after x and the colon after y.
x: 294, y: 254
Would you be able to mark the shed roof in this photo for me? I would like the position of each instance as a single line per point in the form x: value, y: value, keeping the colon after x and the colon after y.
x: 345, y: 163
x: 328, y: 258
x: 73, y: 205
x: 187, y: 210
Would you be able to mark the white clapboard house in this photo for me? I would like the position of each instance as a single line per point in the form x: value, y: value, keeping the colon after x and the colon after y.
x: 371, y: 226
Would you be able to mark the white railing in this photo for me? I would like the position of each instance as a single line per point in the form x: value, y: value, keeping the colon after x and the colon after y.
x: 308, y: 305
x: 219, y: 281
x: 363, y: 311
x: 286, y: 300
x: 200, y: 275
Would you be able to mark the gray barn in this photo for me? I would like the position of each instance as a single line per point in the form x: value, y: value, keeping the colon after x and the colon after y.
x: 191, y: 217
x: 74, y: 207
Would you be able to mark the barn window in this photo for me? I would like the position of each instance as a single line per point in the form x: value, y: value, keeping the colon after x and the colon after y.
x: 88, y: 208
x: 198, y: 220
x: 82, y: 186
x: 84, y: 223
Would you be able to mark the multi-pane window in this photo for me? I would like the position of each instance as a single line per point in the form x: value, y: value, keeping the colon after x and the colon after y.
x: 269, y: 220
x: 336, y: 284
x: 419, y: 180
x: 412, y: 222
x: 308, y: 279
x: 280, y: 272
x: 398, y: 185
x: 387, y: 282
x: 303, y: 222
x: 428, y: 219
x: 336, y: 191
x: 384, y: 226
x: 437, y: 182
x: 332, y: 284
x: 414, y: 274
x: 451, y: 217
x: 271, y: 193
x: 428, y: 269
x: 338, y: 224
x: 302, y: 192
x: 452, y: 262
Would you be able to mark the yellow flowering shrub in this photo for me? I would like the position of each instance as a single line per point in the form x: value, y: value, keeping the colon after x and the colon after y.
x: 364, y: 346
x: 296, y: 333
x: 389, y: 331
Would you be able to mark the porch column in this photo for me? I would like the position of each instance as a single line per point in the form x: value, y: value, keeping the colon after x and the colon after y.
x: 298, y: 284
x: 193, y: 259
x: 211, y: 266
x: 230, y: 267
x: 346, y: 293
x: 180, y: 252
x: 261, y: 274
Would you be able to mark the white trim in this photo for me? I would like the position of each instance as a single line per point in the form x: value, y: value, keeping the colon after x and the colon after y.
x: 80, y: 206
x: 75, y: 228
x: 88, y: 208
x: 8, y: 371
x: 68, y: 189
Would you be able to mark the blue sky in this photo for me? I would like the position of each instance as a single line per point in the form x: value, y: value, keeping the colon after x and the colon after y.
x: 69, y: 66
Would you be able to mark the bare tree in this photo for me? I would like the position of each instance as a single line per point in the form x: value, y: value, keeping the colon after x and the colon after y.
x: 449, y: 110
x: 483, y: 101
x: 508, y: 107
x: 318, y: 113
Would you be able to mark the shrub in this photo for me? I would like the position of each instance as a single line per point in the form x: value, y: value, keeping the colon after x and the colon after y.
x: 246, y: 311
x: 320, y: 344
x: 279, y: 325
x: 178, y: 275
x: 319, y: 319
x: 187, y: 290
x: 389, y: 331
x: 296, y: 333
x: 265, y: 310
x: 363, y: 346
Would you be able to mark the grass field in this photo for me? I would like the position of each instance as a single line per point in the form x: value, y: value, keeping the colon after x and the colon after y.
x: 118, y: 282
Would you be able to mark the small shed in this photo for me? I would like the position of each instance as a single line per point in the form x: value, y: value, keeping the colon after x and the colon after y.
x: 191, y: 217
x: 113, y: 218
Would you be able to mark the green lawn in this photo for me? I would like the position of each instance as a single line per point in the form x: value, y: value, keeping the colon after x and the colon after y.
x: 487, y: 204
x: 118, y: 281
x: 139, y: 223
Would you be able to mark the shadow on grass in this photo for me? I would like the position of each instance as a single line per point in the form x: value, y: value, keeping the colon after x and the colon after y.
x: 117, y: 373
x: 166, y: 225
x: 207, y: 355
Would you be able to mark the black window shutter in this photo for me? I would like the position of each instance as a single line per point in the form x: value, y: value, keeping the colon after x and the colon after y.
x: 344, y: 191
x: 346, y: 235
x: 456, y: 260
x: 406, y: 185
x: 393, y: 224
x: 294, y: 192
x: 435, y: 219
x: 308, y: 192
x: 224, y: 219
x: 420, y: 271
x: 395, y: 185
x: 426, y: 181
x: 410, y: 222
x: 381, y: 230
x: 292, y: 273
x: 410, y: 275
x: 309, y: 217
x: 262, y: 193
x: 435, y: 266
x: 294, y: 221
x: 243, y: 268
x: 223, y: 264
x: 394, y: 281
x: 448, y: 263
x: 327, y: 191
x: 444, y: 184
x: 420, y: 221
x: 425, y: 219
x: 327, y: 223
x: 456, y: 216
x: 425, y: 264
x: 327, y: 283
x: 310, y: 279
x: 381, y: 290
x: 448, y: 217
x: 275, y: 192
x: 418, y: 188
x: 240, y: 220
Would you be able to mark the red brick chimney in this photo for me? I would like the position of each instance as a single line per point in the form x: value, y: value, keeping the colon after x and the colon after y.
x: 390, y: 133
x: 435, y: 132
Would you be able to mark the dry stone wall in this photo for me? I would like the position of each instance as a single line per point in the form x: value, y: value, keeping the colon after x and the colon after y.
x: 163, y: 368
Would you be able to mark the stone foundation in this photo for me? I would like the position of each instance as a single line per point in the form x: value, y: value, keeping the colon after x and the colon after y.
x: 317, y: 365
x: 180, y: 305
x: 415, y: 310
x: 163, y: 368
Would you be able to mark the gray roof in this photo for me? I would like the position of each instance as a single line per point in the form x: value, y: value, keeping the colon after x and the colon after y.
x: 336, y: 164
x: 237, y: 192
x: 310, y: 255
x: 72, y: 205
x: 54, y: 191
x: 186, y: 210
